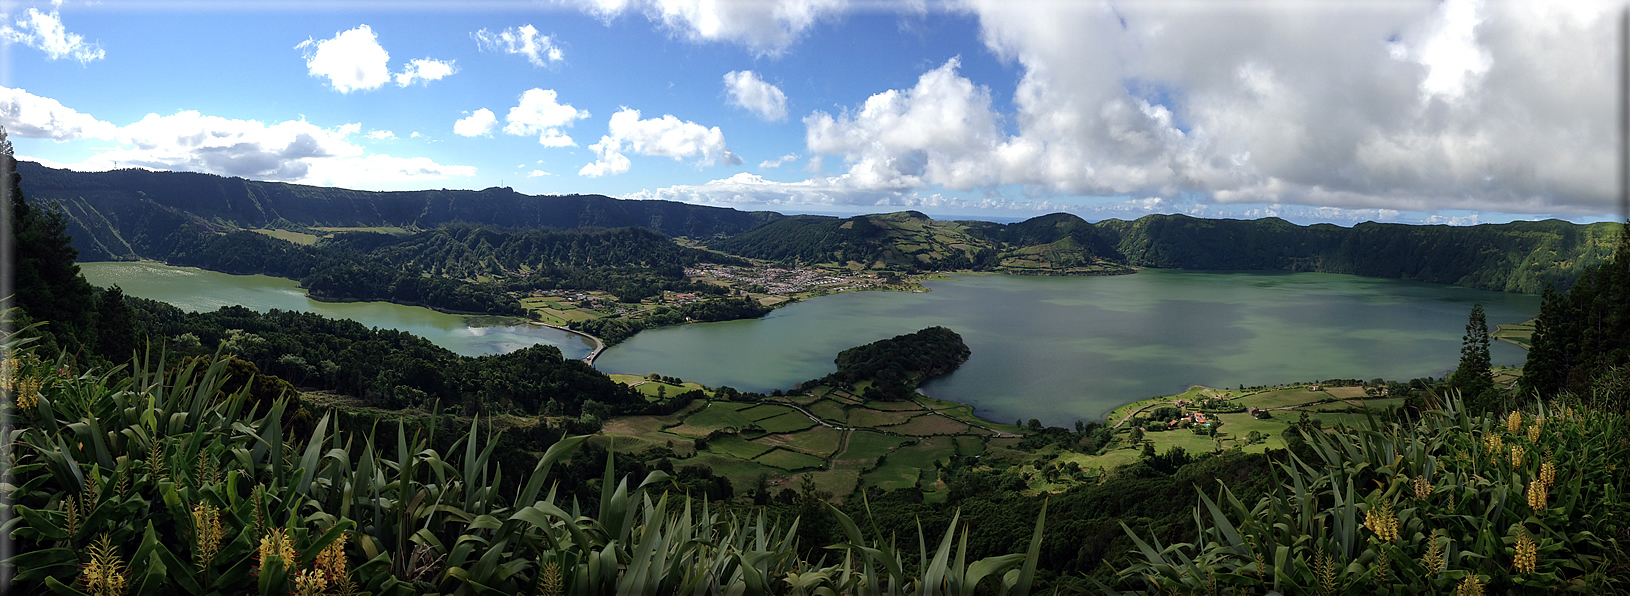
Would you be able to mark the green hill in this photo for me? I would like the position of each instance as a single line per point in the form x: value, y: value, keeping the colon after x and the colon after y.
x: 1520, y: 256
x: 127, y: 214
x: 910, y: 241
x: 1513, y: 257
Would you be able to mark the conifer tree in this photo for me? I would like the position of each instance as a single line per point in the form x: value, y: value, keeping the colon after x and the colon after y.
x: 46, y: 281
x: 1474, y: 377
x: 116, y: 327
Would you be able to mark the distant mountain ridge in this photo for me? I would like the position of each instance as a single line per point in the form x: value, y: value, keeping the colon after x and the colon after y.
x: 125, y: 214
x: 1513, y: 257
x: 1057, y: 244
x: 128, y: 214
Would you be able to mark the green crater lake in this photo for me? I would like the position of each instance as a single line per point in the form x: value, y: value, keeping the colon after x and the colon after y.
x: 1054, y: 348
x: 1067, y: 348
x: 198, y: 290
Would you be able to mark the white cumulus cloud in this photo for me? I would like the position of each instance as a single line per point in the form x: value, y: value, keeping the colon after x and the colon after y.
x: 540, y: 50
x: 44, y: 31
x: 381, y: 135
x: 352, y: 60
x: 941, y: 131
x: 666, y: 136
x: 27, y: 115
x: 540, y: 114
x: 424, y: 70
x: 747, y: 91
x: 288, y: 151
x: 481, y: 122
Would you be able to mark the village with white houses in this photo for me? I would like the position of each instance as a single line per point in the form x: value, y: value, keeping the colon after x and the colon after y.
x: 780, y: 281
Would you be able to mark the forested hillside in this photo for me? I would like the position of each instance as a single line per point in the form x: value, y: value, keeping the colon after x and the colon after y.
x: 1512, y: 257
x: 1519, y: 256
x: 132, y: 213
x: 1055, y: 244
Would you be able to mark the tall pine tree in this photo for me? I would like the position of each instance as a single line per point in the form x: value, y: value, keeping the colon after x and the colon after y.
x: 1475, y: 377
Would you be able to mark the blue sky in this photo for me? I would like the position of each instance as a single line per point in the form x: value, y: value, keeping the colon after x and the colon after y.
x: 1441, y: 112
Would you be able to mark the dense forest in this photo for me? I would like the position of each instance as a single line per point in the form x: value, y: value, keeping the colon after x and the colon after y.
x: 1581, y: 341
x: 459, y: 268
x: 388, y: 368
x: 897, y: 365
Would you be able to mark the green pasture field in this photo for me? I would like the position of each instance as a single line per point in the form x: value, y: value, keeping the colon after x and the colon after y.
x: 930, y: 424
x: 1384, y: 403
x: 742, y: 473
x: 1190, y: 442
x: 966, y: 445
x: 649, y: 389
x: 869, y: 445
x: 893, y: 406
x: 866, y: 417
x: 1520, y: 334
x: 569, y: 316
x: 891, y: 476
x: 803, y: 400
x: 924, y: 454
x: 291, y: 236
x: 829, y: 409
x: 392, y: 230
x: 840, y: 481
x: 765, y: 411
x: 819, y: 440
x: 1117, y: 414
x: 789, y: 460
x: 717, y: 415
x: 905, y: 466
x: 1236, y: 427
x: 791, y: 421
x: 1278, y: 398
x: 736, y: 447
x: 1347, y: 392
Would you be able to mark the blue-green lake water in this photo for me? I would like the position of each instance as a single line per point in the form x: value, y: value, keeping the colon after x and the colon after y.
x: 199, y: 290
x: 1067, y: 348
x: 1054, y: 348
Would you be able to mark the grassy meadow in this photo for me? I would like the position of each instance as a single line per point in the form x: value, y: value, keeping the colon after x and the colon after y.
x: 845, y: 441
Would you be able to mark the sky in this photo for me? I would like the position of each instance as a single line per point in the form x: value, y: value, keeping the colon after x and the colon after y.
x: 1453, y: 111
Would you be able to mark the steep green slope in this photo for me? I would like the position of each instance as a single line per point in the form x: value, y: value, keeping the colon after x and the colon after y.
x: 910, y: 241
x: 130, y: 213
x: 1514, y: 257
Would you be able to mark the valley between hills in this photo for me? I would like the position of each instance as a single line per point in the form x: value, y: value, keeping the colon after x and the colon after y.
x: 859, y: 440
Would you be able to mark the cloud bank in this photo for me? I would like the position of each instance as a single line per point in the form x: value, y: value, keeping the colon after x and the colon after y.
x: 288, y: 151
x: 1453, y: 105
